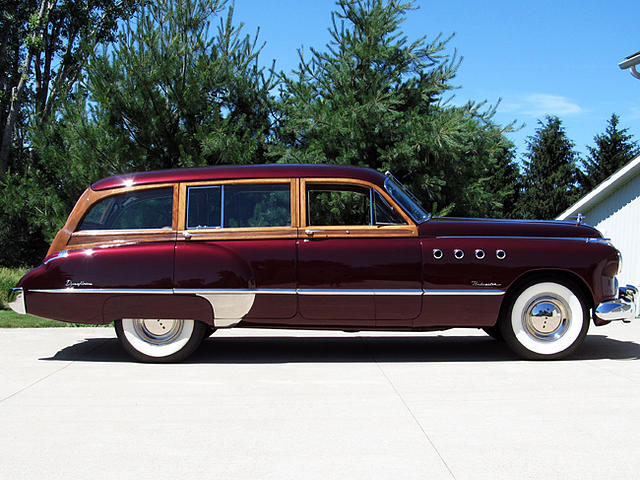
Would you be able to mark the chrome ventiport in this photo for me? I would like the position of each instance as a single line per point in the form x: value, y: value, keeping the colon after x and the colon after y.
x: 459, y: 254
x: 501, y: 254
x: 480, y: 254
x: 437, y: 253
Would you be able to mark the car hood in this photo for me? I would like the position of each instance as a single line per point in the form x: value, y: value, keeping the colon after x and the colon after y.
x: 445, y: 226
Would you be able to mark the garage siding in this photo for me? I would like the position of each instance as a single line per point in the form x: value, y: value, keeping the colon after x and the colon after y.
x: 618, y: 218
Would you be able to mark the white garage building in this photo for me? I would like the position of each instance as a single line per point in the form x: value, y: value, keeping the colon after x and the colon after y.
x: 613, y: 207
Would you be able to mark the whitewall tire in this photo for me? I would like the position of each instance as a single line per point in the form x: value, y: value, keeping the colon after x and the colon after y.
x: 545, y: 320
x: 160, y: 340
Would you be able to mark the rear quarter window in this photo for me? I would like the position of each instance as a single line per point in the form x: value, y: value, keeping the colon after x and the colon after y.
x: 141, y: 209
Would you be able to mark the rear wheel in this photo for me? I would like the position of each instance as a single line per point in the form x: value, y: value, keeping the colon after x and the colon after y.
x: 545, y: 320
x: 159, y: 340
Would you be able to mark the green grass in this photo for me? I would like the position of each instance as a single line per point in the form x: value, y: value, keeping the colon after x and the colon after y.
x: 8, y: 278
x: 10, y: 319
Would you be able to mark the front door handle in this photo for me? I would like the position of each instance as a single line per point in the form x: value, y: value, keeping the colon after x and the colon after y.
x: 186, y: 235
x: 311, y: 233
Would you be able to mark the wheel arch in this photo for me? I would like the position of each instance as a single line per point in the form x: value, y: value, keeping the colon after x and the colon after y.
x: 548, y: 275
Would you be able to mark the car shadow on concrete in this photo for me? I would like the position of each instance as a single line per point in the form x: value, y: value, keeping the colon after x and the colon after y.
x: 292, y: 349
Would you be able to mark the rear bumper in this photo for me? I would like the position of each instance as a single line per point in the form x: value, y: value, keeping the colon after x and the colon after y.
x: 622, y: 308
x: 16, y: 300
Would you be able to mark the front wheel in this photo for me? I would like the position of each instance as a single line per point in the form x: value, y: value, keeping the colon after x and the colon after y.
x: 159, y: 340
x: 545, y: 320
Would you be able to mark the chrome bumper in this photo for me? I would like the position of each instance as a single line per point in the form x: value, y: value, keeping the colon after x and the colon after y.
x: 622, y: 308
x: 16, y: 300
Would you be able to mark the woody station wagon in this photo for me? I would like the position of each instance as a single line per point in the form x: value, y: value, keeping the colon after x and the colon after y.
x: 170, y: 256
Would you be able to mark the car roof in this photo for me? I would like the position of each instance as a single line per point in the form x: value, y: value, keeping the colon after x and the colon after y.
x: 233, y: 172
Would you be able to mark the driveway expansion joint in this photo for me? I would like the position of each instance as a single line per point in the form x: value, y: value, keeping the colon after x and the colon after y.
x: 406, y: 405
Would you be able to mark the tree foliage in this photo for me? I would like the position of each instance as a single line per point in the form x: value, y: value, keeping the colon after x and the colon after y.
x: 171, y: 94
x: 374, y: 98
x: 613, y: 149
x: 550, y: 172
x: 99, y: 87
x: 43, y: 47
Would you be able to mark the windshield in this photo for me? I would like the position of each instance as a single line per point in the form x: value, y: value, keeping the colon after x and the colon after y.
x: 406, y: 199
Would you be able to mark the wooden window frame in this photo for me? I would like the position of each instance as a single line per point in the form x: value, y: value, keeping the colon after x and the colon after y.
x: 91, y: 238
x: 238, y: 233
x: 351, y: 231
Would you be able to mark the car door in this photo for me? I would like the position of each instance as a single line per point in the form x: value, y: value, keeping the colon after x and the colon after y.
x: 359, y: 257
x: 236, y: 248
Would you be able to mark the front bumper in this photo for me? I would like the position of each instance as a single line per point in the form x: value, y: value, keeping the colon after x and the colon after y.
x: 16, y: 300
x: 622, y: 308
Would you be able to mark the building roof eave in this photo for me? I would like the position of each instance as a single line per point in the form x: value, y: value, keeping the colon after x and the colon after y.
x: 604, y: 189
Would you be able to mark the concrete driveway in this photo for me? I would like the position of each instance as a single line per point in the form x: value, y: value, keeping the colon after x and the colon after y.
x: 261, y: 404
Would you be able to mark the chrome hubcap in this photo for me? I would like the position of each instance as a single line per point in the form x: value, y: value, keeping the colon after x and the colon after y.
x: 547, y: 318
x: 157, y: 331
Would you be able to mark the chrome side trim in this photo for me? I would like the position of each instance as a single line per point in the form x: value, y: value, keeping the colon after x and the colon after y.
x: 464, y: 292
x: 16, y: 300
x: 231, y: 291
x: 116, y: 291
x: 230, y: 306
x: 345, y: 291
x: 267, y: 291
x: 516, y: 237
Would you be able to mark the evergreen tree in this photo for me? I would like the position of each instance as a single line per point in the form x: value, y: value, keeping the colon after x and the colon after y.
x: 613, y: 149
x: 375, y: 99
x: 176, y: 92
x: 550, y: 172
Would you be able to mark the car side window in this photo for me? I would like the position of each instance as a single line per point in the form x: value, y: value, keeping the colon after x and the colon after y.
x: 384, y: 213
x: 204, y: 207
x: 140, y: 209
x: 239, y: 206
x: 338, y: 204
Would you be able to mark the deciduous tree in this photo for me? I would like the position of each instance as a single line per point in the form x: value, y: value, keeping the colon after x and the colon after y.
x: 43, y: 46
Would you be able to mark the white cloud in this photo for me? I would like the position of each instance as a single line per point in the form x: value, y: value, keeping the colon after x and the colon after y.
x: 540, y: 104
x: 633, y: 113
x: 509, y: 107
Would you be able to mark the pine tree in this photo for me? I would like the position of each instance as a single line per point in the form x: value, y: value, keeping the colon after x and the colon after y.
x: 374, y: 98
x: 177, y: 92
x: 613, y: 149
x: 550, y: 172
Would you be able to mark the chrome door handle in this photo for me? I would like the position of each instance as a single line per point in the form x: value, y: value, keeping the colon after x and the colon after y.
x: 312, y: 232
x: 187, y: 235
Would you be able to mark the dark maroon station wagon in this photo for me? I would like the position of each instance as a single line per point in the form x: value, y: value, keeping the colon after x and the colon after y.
x: 170, y: 256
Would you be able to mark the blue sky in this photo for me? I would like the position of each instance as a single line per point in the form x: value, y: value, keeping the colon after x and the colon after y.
x: 540, y: 57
